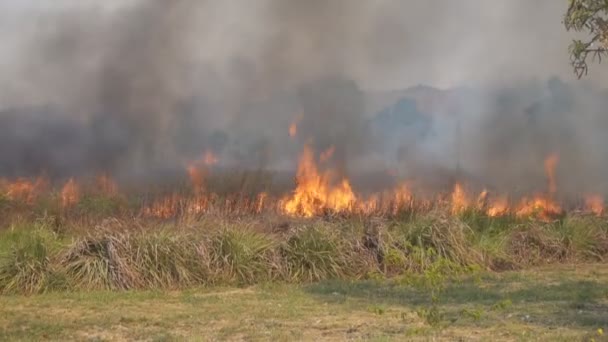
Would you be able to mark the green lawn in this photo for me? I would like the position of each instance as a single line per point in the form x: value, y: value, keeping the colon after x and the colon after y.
x: 558, y: 303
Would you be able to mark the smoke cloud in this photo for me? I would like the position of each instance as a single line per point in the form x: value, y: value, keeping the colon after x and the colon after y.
x: 135, y: 87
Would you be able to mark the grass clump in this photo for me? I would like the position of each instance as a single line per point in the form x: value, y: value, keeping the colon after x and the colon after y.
x: 587, y: 237
x: 537, y: 243
x: 243, y: 256
x: 26, y: 261
x: 164, y: 260
x: 315, y: 253
x: 429, y: 239
x: 98, y: 263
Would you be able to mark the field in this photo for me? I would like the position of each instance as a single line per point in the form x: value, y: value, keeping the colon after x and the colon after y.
x: 564, y: 303
x: 237, y: 260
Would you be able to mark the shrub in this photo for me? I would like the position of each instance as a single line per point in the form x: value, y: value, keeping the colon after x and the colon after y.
x: 26, y: 266
x: 313, y: 254
x: 243, y: 256
x: 98, y: 263
x: 163, y: 259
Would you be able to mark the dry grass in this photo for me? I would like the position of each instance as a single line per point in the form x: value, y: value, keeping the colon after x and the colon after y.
x: 136, y: 253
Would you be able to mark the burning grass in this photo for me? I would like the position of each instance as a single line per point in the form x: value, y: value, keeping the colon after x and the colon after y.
x: 91, y: 235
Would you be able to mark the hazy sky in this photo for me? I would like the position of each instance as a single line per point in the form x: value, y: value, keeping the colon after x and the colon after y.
x: 381, y: 44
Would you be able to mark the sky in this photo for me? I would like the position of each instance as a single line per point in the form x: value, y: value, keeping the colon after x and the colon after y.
x: 382, y: 44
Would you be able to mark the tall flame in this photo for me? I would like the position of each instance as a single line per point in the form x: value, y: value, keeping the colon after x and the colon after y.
x: 106, y: 185
x: 594, y: 204
x: 460, y: 200
x: 550, y: 164
x: 313, y: 193
x: 70, y: 193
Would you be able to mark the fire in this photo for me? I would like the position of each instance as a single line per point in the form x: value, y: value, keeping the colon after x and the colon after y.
x: 460, y: 200
x: 402, y: 197
x: 498, y: 207
x: 197, y: 178
x: 70, y: 193
x: 210, y: 158
x: 594, y: 204
x: 482, y: 199
x: 106, y: 185
x: 260, y: 202
x: 165, y: 208
x: 313, y: 193
x: 170, y: 206
x: 327, y: 154
x: 293, y: 127
x: 25, y: 190
x: 550, y: 164
x: 545, y: 208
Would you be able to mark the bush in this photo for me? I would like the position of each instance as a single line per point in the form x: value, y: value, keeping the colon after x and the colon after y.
x: 313, y: 254
x: 26, y: 266
x: 243, y: 256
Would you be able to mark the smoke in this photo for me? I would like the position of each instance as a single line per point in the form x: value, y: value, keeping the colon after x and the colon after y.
x: 133, y: 87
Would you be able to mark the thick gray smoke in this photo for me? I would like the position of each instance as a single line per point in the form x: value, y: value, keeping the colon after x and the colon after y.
x: 134, y: 87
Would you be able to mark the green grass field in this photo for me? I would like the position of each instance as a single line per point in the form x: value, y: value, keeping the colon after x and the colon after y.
x: 560, y: 303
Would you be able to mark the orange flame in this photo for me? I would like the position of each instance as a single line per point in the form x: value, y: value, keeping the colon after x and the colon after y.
x: 260, y: 202
x: 197, y: 179
x: 402, y: 197
x: 293, y: 130
x: 293, y: 127
x: 550, y: 164
x: 70, y: 193
x: 165, y: 208
x: 313, y: 192
x: 25, y: 190
x: 482, y: 199
x: 106, y: 185
x: 460, y: 201
x: 594, y: 204
x: 498, y: 207
x: 327, y: 154
x: 210, y: 158
x: 543, y: 207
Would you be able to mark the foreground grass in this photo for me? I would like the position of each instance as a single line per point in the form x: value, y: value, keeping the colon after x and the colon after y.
x: 558, y: 303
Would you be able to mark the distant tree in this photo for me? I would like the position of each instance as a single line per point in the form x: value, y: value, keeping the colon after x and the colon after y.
x: 591, y: 17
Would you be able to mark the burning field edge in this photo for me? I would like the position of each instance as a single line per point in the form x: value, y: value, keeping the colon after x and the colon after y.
x: 239, y: 231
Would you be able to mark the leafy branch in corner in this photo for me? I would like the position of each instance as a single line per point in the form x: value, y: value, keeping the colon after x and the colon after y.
x: 590, y: 16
